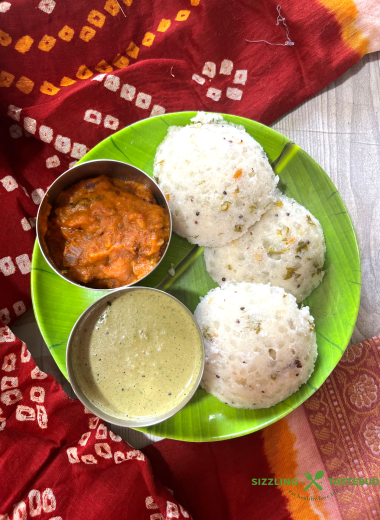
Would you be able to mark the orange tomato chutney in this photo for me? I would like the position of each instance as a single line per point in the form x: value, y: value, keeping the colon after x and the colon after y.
x: 106, y: 233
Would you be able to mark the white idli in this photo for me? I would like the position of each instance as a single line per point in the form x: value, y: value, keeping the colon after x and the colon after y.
x: 217, y: 180
x: 259, y: 347
x: 286, y: 248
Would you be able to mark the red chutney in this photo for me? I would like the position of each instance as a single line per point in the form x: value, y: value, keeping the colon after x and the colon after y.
x: 107, y: 233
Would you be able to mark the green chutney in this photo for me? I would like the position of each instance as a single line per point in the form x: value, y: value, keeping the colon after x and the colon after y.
x: 139, y: 355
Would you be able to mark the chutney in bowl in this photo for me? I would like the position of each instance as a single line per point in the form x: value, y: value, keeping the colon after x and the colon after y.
x: 104, y: 231
x: 135, y: 357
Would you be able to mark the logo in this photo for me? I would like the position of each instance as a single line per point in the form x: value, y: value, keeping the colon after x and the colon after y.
x: 317, y: 483
x: 318, y: 476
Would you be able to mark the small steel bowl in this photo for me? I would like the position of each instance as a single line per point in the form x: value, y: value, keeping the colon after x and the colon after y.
x: 86, y: 170
x: 73, y: 343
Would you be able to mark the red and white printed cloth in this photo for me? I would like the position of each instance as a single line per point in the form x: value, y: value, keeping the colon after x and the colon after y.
x: 60, y: 462
x: 58, y: 458
x: 73, y: 73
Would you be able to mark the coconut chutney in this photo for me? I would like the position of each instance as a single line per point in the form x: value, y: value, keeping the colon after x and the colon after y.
x: 138, y: 354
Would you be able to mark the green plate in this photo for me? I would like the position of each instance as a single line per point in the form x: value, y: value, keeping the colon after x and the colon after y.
x: 334, y: 304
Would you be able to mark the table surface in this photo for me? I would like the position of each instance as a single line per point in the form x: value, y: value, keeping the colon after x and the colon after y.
x: 340, y: 129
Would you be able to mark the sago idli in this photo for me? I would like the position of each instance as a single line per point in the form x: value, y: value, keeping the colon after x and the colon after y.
x: 286, y: 248
x: 259, y: 347
x: 217, y: 180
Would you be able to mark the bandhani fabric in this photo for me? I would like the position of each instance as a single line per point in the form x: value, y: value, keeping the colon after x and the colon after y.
x: 58, y: 458
x: 73, y: 73
x: 59, y: 461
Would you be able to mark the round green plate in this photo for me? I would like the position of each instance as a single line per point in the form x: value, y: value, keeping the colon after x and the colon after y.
x: 334, y: 304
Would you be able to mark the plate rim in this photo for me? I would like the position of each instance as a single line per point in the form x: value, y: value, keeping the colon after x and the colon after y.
x: 349, y: 330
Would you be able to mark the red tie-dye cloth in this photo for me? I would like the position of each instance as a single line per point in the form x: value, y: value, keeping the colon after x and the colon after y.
x: 72, y: 73
x: 60, y: 462
x: 58, y: 458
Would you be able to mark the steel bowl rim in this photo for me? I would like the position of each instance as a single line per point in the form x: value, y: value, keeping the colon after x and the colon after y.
x: 49, y: 260
x: 103, y: 415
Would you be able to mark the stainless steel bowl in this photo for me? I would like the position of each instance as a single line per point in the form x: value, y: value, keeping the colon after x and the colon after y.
x: 73, y: 343
x: 111, y: 168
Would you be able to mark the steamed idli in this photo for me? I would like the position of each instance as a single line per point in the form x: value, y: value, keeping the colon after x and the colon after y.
x: 286, y: 248
x: 217, y: 180
x: 259, y: 347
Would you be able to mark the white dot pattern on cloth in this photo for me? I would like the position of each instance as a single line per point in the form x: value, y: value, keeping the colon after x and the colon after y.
x: 5, y: 316
x: 37, y: 195
x: 209, y: 69
x: 7, y: 267
x: 157, y: 110
x: 226, y: 67
x: 240, y: 77
x: 15, y: 131
x: 47, y: 6
x: 62, y: 144
x: 4, y: 7
x: 143, y: 100
x: 23, y: 263
x: 19, y: 308
x: 13, y: 111
x: 234, y: 93
x: 30, y: 125
x: 78, y: 151
x: 93, y: 116
x: 198, y: 79
x: 111, y: 122
x: 9, y: 183
x: 128, y: 92
x: 99, y: 77
x: 25, y: 224
x: 112, y: 83
x: 46, y: 134
x: 214, y: 93
x: 53, y: 162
